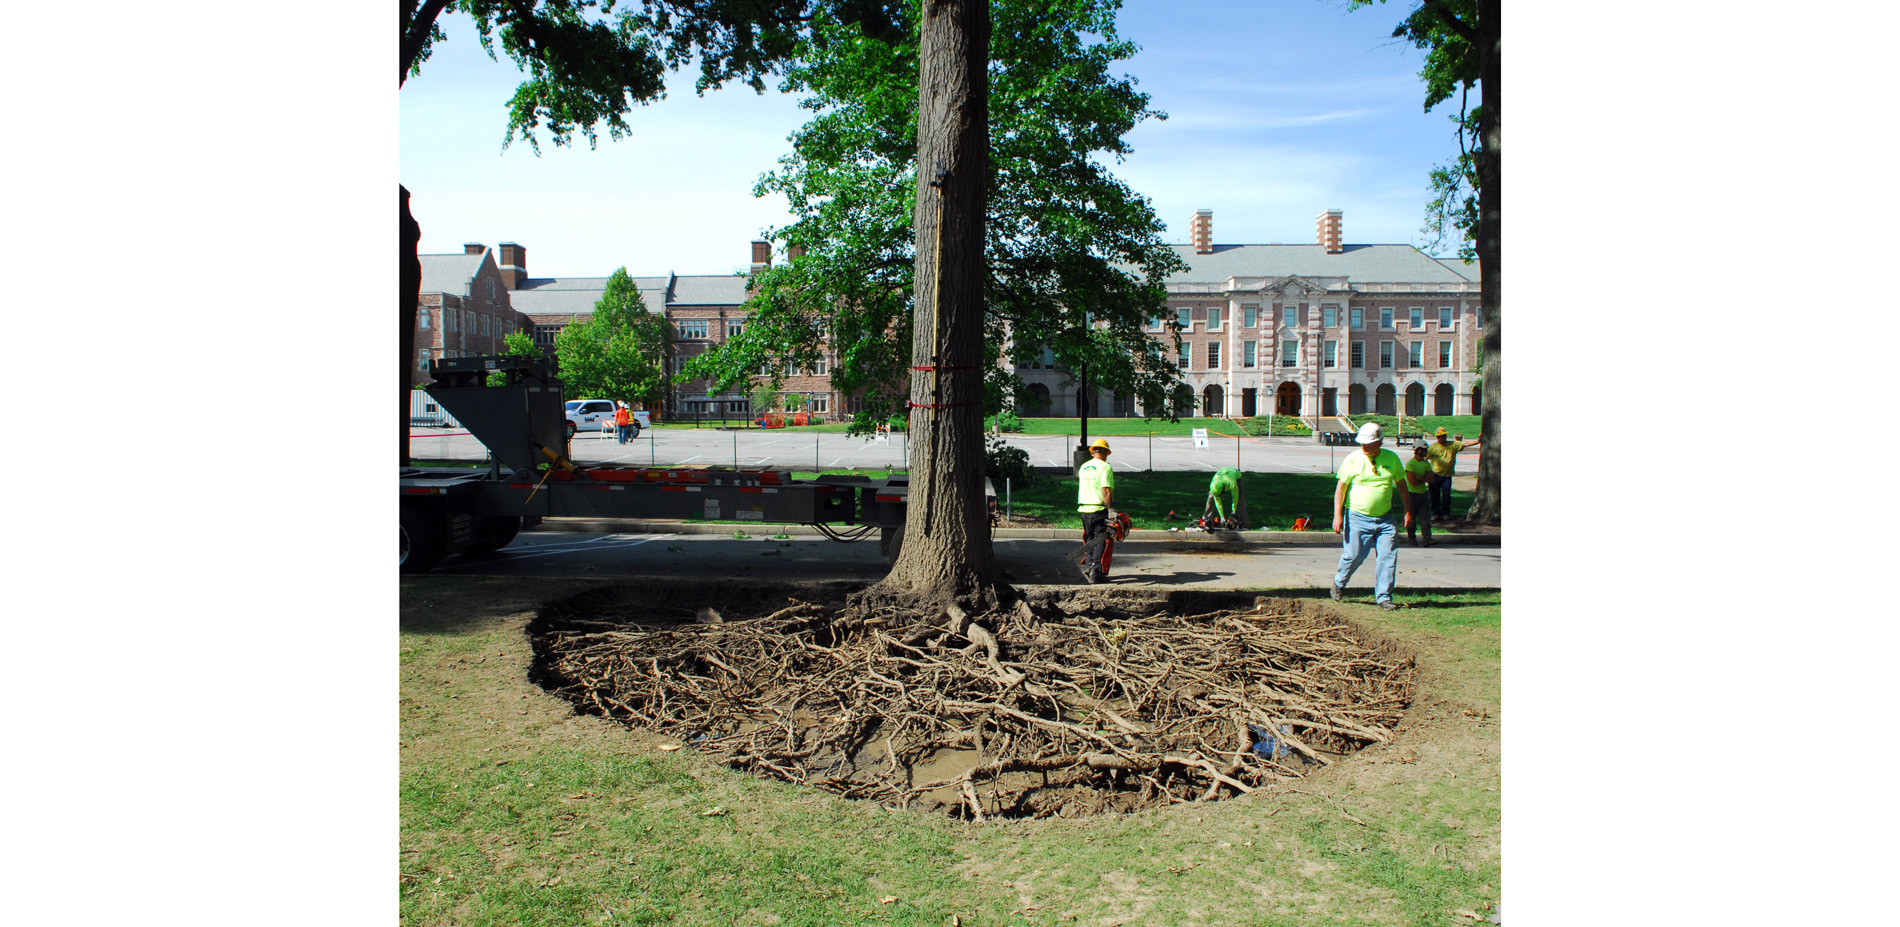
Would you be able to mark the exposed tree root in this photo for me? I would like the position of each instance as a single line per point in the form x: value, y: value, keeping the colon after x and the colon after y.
x: 1061, y: 702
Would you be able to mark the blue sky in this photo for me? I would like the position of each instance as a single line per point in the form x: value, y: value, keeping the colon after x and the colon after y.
x: 1277, y: 110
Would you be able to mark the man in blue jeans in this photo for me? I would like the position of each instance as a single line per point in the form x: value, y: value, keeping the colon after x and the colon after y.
x: 1369, y: 482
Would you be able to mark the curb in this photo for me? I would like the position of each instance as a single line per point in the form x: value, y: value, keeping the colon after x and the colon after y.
x: 1150, y: 535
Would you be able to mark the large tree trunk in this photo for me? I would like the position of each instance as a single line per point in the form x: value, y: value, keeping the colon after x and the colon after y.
x: 411, y: 235
x: 1486, y: 507
x: 946, y: 550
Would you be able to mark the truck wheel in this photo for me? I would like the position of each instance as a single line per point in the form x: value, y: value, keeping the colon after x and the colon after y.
x: 571, y: 428
x: 890, y: 541
x: 635, y: 433
x: 422, y: 540
x: 497, y: 532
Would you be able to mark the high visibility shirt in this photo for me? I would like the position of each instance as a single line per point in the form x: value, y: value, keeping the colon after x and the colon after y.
x: 1444, y: 456
x: 1096, y: 476
x: 1371, y: 483
x: 1421, y: 467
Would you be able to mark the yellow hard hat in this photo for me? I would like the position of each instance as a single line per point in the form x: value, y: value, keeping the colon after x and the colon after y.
x: 1101, y: 443
x: 1440, y: 431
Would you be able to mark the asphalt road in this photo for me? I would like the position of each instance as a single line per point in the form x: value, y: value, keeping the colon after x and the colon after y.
x: 1198, y: 561
x: 818, y: 451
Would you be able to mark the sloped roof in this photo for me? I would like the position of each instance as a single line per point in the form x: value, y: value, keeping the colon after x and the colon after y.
x: 574, y: 295
x: 449, y: 273
x: 1357, y: 263
x: 709, y: 290
x: 1469, y: 269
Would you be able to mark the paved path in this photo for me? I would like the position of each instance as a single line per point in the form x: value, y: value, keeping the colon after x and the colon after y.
x: 1199, y: 561
x: 818, y: 451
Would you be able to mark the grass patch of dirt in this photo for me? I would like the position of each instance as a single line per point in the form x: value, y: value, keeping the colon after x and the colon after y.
x: 515, y: 809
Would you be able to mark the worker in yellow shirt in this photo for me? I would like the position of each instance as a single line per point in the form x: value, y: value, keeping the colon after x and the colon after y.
x: 1418, y: 482
x: 1444, y: 457
x: 1369, y: 483
x: 1095, y: 499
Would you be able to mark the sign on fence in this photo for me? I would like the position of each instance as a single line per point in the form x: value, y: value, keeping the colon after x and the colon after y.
x: 1200, y: 437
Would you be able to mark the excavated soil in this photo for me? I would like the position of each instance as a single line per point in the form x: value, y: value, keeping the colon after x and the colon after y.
x: 1066, y: 702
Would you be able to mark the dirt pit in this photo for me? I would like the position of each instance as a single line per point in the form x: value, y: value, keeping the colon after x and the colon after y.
x: 1067, y: 702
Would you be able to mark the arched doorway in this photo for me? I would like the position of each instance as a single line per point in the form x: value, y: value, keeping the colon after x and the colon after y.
x: 1441, y: 399
x: 1415, y: 399
x: 1286, y: 400
x: 1356, y: 400
x: 1477, y: 399
x: 1037, y: 402
x: 1212, y: 400
x: 1385, y: 400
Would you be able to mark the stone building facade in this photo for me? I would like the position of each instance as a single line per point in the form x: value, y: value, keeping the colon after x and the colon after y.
x: 1308, y: 330
x: 463, y: 309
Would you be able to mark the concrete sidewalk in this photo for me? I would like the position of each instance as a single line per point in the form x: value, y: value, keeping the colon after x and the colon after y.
x: 1322, y: 538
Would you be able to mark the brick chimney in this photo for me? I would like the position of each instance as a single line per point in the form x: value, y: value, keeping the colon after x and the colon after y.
x: 1329, y: 223
x: 794, y: 252
x: 1201, y: 231
x: 513, y: 261
x: 761, y: 255
x: 473, y: 247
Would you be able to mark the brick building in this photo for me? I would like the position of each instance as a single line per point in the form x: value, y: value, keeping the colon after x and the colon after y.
x: 1309, y: 330
x: 463, y: 308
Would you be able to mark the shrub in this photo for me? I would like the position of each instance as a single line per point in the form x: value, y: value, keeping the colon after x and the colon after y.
x: 1007, y: 422
x: 1001, y: 461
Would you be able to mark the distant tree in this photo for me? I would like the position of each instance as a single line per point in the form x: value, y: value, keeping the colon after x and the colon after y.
x: 1072, y: 259
x: 764, y: 397
x: 619, y: 353
x: 587, y: 65
x: 1460, y: 39
x: 517, y: 344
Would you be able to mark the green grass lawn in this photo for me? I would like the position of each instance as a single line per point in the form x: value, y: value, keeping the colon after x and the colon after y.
x: 1466, y: 425
x: 1274, y: 500
x: 516, y: 811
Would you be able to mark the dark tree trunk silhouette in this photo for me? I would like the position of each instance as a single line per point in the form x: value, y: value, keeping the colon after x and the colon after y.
x: 946, y: 552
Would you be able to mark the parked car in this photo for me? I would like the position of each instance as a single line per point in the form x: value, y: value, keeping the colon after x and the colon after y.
x: 598, y: 414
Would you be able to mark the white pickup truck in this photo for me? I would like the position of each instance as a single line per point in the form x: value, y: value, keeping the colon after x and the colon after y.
x: 593, y: 414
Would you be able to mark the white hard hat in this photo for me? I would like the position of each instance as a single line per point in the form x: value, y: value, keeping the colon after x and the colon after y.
x: 1370, y: 432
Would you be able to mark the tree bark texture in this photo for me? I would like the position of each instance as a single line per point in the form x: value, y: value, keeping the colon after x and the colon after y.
x: 411, y: 294
x: 946, y: 552
x: 1486, y: 507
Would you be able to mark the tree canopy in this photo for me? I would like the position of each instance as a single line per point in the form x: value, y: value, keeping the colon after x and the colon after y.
x: 1073, y: 259
x: 620, y: 352
x: 1460, y: 39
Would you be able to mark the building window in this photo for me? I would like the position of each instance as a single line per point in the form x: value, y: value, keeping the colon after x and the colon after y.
x: 1289, y: 353
x: 1183, y: 316
x: 1183, y: 359
x: 1444, y: 354
x: 1415, y: 354
x: 822, y: 366
x: 1385, y: 355
x: 1292, y: 316
x: 1154, y: 322
x: 1213, y: 355
x: 1247, y: 353
x: 422, y: 360
x: 692, y: 328
x: 485, y: 328
x: 448, y: 320
x: 1418, y: 318
x: 1332, y: 353
x: 734, y: 327
x: 1358, y: 319
x: 1444, y: 318
x: 422, y: 319
x: 1385, y: 319
x: 1213, y: 318
x: 1250, y: 315
x: 1331, y: 316
x: 544, y: 335
x: 1358, y: 353
x: 818, y: 402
